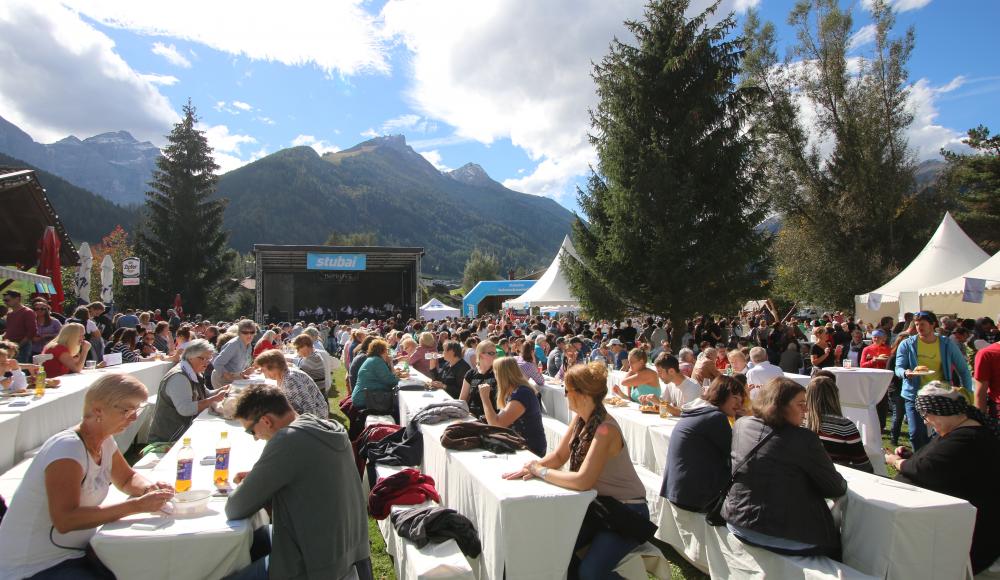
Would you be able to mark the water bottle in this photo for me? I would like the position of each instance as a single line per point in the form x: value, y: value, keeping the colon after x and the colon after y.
x: 185, y: 464
x: 222, y: 449
x: 40, y: 382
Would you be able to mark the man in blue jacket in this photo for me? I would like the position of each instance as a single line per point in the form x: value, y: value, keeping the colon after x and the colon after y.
x: 941, y: 357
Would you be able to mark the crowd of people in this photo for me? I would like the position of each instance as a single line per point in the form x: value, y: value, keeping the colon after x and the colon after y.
x: 751, y: 442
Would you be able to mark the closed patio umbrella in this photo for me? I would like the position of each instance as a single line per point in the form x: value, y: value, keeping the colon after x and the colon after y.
x: 48, y: 265
x: 107, y: 280
x: 83, y: 274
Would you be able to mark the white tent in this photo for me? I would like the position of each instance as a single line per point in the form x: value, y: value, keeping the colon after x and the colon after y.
x: 552, y: 289
x: 947, y: 296
x: 949, y: 253
x: 436, y: 310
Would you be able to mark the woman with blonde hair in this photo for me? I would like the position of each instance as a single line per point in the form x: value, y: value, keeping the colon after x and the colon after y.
x: 426, y: 345
x: 480, y: 375
x: 598, y: 459
x: 68, y: 349
x: 518, y: 404
x: 838, y: 434
x: 60, y: 502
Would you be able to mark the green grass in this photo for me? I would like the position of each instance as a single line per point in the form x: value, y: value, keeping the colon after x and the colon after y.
x: 382, y: 567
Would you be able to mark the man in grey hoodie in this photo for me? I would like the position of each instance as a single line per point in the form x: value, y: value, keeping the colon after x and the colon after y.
x: 307, y: 475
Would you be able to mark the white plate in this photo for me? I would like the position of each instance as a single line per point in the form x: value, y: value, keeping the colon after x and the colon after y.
x: 921, y: 373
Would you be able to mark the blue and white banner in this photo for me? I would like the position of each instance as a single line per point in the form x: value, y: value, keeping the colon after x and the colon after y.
x: 975, y: 288
x: 335, y: 261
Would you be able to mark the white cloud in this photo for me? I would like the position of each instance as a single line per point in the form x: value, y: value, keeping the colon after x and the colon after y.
x: 232, y: 107
x: 532, y: 87
x: 164, y: 80
x: 337, y: 37
x: 322, y: 147
x: 242, y: 106
x: 61, y: 76
x: 227, y: 146
x: 170, y: 53
x: 864, y: 36
x: 899, y: 5
x: 265, y: 120
x: 434, y: 157
x: 408, y: 123
x: 926, y: 136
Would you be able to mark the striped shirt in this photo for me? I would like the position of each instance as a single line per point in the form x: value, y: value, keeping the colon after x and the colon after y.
x: 842, y: 441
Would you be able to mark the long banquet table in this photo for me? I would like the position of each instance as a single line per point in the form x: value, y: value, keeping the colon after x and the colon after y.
x: 62, y: 407
x: 207, y: 546
x: 522, y: 524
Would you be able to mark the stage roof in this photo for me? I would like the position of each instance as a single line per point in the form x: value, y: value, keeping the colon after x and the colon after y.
x: 278, y: 258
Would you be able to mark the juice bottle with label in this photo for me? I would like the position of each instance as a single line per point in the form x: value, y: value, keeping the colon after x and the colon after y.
x: 185, y: 464
x: 222, y: 449
x: 40, y: 382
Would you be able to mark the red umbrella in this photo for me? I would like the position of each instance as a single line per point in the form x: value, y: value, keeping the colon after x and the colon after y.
x: 177, y: 306
x: 48, y: 265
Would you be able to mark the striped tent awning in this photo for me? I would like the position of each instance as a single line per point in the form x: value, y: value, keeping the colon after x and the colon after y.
x: 43, y: 284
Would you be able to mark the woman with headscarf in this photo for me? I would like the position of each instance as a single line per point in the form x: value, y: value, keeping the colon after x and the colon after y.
x: 961, y: 461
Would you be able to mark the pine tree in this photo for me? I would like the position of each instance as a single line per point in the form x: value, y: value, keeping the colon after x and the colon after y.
x: 674, y: 202
x: 974, y: 179
x: 182, y: 241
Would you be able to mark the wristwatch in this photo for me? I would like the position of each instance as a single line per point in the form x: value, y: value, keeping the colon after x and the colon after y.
x: 543, y: 472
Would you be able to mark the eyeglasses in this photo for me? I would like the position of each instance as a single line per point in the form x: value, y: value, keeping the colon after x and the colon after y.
x: 129, y: 412
x: 248, y: 332
x: 251, y: 430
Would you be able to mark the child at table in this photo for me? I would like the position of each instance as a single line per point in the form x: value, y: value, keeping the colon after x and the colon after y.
x: 14, y: 379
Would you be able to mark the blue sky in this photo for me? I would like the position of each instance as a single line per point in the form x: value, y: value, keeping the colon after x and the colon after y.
x: 504, y: 84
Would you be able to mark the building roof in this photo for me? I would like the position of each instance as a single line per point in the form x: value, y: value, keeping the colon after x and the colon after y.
x: 28, y: 214
x: 278, y: 258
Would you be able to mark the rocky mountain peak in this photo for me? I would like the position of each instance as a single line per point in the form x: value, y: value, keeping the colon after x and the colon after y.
x: 472, y: 174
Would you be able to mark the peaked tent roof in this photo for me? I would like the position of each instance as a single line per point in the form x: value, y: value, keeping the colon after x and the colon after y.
x: 552, y: 289
x: 436, y: 310
x: 988, y: 270
x: 435, y: 303
x: 949, y: 253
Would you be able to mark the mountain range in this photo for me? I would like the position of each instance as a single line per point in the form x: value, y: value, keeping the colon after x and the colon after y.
x: 115, y: 165
x: 296, y: 196
x: 383, y: 186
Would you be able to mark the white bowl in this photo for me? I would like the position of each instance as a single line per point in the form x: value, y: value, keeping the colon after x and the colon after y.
x: 191, y: 502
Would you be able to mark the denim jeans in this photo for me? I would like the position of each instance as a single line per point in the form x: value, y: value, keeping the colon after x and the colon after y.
x: 897, y: 405
x: 918, y: 431
x: 606, y: 550
x: 75, y: 569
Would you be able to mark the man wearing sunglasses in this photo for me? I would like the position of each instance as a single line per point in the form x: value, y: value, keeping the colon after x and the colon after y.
x: 306, y: 473
x: 939, y: 360
x: 21, y: 325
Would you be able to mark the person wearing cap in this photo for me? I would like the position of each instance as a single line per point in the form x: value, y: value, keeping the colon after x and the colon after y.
x: 964, y: 455
x: 942, y: 360
x: 876, y: 355
x: 619, y: 357
x: 22, y: 326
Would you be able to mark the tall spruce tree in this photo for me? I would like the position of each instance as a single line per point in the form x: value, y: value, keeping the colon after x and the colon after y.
x: 182, y: 241
x: 674, y: 202
x: 844, y: 183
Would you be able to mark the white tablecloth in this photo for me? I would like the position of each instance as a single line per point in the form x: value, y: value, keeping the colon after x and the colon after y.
x: 207, y: 546
x: 636, y: 428
x: 897, y: 531
x: 526, y: 527
x: 860, y: 390
x: 8, y: 432
x: 62, y: 407
x: 412, y: 402
x: 554, y: 400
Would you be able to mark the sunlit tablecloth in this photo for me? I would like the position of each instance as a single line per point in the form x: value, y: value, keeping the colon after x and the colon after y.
x: 207, y: 546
